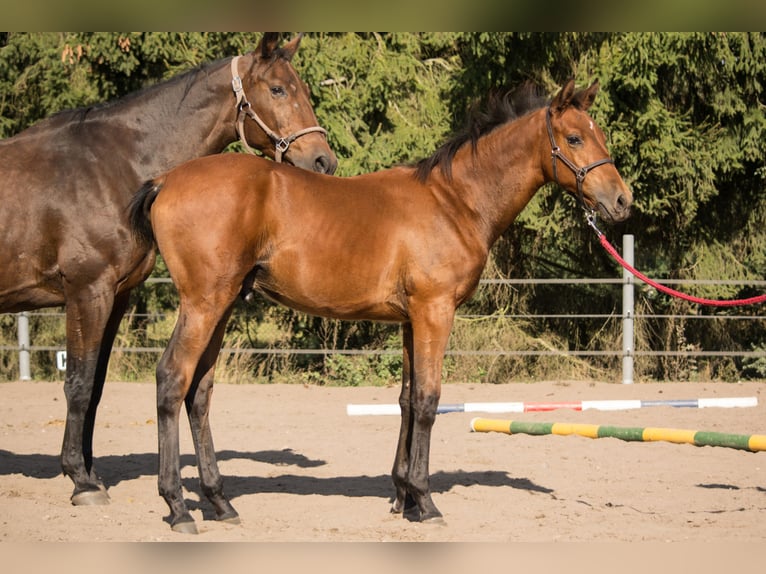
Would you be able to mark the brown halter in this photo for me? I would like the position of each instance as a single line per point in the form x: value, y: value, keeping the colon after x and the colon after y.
x: 244, y: 108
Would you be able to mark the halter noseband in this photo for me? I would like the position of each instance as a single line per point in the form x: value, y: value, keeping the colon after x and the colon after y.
x: 580, y: 172
x: 243, y: 107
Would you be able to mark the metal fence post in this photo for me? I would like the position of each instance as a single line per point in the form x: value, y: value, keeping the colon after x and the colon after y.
x: 25, y: 372
x: 628, y: 312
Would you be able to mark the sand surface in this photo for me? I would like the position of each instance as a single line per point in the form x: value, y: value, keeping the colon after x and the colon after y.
x: 298, y: 468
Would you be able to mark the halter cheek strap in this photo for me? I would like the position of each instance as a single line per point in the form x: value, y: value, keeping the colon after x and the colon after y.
x: 579, y: 172
x: 243, y: 106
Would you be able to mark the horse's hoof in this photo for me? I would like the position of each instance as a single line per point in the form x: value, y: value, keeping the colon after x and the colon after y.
x: 229, y: 516
x: 435, y: 520
x: 90, y: 498
x: 185, y: 527
x: 412, y: 514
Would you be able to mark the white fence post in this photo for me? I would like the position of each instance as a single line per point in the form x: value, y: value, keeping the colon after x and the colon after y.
x: 25, y: 372
x: 628, y: 312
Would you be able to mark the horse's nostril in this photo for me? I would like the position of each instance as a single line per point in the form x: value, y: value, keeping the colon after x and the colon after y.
x: 622, y: 201
x: 324, y: 164
x: 321, y: 164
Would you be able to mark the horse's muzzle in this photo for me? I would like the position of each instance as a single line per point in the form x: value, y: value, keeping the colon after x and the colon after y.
x: 617, y: 209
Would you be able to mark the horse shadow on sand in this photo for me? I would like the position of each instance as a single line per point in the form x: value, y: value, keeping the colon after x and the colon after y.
x: 115, y: 469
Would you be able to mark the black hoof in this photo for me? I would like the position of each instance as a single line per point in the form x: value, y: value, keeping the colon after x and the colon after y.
x: 411, y: 513
x: 224, y: 511
x: 90, y: 498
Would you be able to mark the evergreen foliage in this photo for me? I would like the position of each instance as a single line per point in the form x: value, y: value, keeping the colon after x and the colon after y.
x: 685, y: 117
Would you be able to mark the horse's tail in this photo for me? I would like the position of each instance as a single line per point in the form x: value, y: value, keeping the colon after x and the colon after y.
x: 139, y: 211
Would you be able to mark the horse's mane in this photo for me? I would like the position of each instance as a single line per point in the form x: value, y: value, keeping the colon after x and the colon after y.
x: 185, y: 79
x: 502, y: 105
x: 78, y: 115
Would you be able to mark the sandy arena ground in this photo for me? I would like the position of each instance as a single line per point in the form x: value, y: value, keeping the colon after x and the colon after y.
x: 298, y: 469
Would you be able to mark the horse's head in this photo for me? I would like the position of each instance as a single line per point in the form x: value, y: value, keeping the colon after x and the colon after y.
x: 272, y: 94
x: 580, y: 162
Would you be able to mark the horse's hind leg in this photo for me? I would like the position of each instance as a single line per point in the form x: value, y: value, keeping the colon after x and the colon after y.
x: 402, y: 503
x: 88, y: 329
x: 105, y: 349
x: 198, y: 409
x: 176, y: 374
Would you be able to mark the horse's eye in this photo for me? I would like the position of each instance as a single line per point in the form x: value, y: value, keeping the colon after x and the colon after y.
x: 574, y: 140
x: 278, y: 92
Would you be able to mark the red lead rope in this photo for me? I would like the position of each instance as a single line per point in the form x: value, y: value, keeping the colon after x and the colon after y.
x: 713, y: 302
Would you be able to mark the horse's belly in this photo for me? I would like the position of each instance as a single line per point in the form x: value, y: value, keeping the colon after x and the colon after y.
x: 26, y: 296
x: 341, y: 298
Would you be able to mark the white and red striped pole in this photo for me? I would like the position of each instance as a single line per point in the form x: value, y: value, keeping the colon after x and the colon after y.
x: 529, y: 407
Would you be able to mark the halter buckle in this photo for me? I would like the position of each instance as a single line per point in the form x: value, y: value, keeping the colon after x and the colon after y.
x: 236, y: 84
x: 281, y: 145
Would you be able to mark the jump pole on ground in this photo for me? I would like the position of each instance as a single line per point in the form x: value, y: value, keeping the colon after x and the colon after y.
x: 529, y: 407
x: 752, y: 443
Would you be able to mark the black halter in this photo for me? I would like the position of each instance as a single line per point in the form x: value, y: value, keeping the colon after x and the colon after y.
x: 580, y: 172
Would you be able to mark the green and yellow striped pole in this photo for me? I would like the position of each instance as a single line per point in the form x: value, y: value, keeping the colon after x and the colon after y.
x: 752, y: 443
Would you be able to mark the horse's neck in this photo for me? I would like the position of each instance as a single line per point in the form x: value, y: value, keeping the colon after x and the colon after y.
x: 182, y: 119
x: 499, y: 179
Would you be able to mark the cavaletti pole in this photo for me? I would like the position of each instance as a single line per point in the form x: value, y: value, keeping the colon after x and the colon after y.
x: 753, y: 443
x: 530, y: 407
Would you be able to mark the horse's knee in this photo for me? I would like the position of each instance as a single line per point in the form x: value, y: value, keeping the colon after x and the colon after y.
x: 425, y: 409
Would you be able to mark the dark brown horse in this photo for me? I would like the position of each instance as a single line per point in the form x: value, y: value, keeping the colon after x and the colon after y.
x: 66, y: 186
x: 406, y: 245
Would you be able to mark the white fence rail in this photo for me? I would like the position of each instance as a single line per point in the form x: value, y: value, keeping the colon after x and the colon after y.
x: 628, y: 352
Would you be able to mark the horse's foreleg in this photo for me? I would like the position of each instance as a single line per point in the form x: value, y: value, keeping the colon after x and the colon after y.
x: 198, y: 409
x: 87, y: 317
x: 431, y: 327
x: 402, y: 460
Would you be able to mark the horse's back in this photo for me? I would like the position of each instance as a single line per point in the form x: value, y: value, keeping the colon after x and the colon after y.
x: 64, y: 154
x: 212, y: 189
x: 64, y: 187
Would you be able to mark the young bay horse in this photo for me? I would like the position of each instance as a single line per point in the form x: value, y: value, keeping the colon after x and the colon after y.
x: 406, y: 245
x: 67, y: 182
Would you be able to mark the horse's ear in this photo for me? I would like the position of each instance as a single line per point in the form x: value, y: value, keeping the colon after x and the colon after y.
x: 268, y: 44
x: 291, y: 47
x: 583, y: 99
x: 564, y: 97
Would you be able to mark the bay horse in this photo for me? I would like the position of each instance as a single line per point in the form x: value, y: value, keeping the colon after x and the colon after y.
x: 67, y: 182
x: 406, y: 244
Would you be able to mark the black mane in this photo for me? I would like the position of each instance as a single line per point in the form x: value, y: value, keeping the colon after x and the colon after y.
x: 502, y: 105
